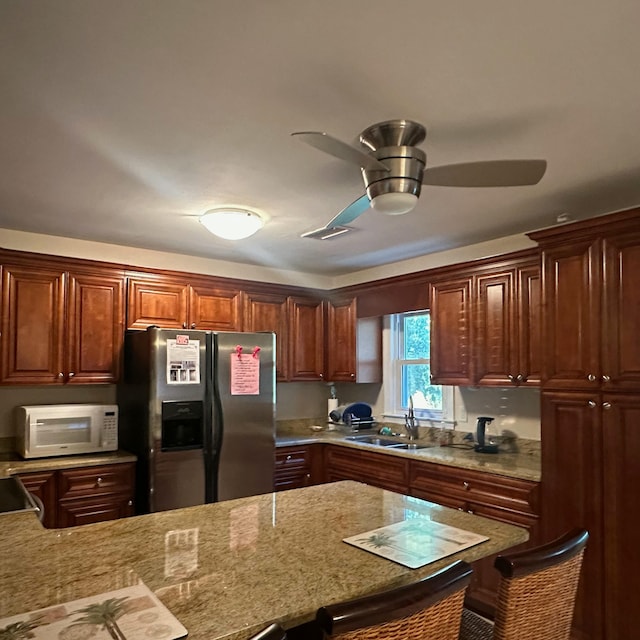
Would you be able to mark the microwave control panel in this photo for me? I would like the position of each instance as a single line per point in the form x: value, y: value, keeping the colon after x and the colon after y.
x: 110, y: 429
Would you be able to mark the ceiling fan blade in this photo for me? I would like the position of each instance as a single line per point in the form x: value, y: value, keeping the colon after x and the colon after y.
x: 491, y: 173
x: 339, y: 149
x: 350, y: 213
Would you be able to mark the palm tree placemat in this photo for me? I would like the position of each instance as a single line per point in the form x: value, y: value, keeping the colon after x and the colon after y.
x: 415, y: 542
x: 125, y: 614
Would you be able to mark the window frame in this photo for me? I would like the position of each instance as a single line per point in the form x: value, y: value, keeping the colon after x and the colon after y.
x: 392, y: 374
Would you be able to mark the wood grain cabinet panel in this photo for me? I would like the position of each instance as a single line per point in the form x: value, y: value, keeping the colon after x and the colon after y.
x: 215, y: 308
x: 84, y: 495
x: 511, y: 500
x: 353, y: 345
x: 296, y: 467
x: 43, y: 485
x: 306, y: 330
x: 61, y: 326
x: 269, y: 312
x: 377, y: 469
x: 451, y: 332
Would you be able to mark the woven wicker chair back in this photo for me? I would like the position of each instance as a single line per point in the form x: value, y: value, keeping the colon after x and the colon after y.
x: 538, y: 606
x: 441, y: 620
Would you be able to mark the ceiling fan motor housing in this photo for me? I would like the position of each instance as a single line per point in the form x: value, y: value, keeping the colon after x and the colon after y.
x: 393, y: 143
x: 406, y: 167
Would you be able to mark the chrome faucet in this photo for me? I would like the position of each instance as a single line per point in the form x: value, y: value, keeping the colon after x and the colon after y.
x: 410, y: 423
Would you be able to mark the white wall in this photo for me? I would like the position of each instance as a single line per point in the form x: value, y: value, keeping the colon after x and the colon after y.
x: 514, y: 409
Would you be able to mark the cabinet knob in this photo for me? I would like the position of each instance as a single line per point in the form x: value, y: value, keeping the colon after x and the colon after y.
x: 470, y: 511
x: 606, y: 405
x: 99, y: 481
x: 61, y: 375
x: 353, y: 375
x: 184, y: 325
x: 591, y: 377
x: 606, y: 378
x: 592, y: 404
x: 322, y: 375
x: 71, y: 374
x: 512, y: 378
x: 466, y: 485
x: 130, y: 503
x: 288, y: 458
x: 193, y: 325
x: 519, y: 377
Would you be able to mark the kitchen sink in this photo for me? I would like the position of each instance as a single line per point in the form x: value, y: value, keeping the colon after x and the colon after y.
x: 386, y: 442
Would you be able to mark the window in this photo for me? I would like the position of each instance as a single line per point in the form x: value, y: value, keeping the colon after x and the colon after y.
x: 408, y: 370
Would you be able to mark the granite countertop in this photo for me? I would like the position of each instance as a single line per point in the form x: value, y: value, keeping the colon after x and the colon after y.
x: 524, y: 464
x: 228, y: 569
x: 12, y: 463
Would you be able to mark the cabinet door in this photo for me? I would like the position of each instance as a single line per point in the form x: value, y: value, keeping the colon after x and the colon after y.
x: 43, y: 485
x: 32, y: 325
x: 451, y: 332
x: 72, y: 513
x: 306, y: 339
x: 341, y: 341
x: 621, y: 434
x: 495, y: 341
x: 214, y: 309
x: 571, y: 326
x: 377, y: 469
x: 156, y: 301
x: 95, y: 327
x: 529, y: 324
x: 621, y: 313
x: 268, y: 312
x: 572, y: 491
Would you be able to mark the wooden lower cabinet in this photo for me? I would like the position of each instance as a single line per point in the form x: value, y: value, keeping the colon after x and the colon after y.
x: 297, y: 466
x: 83, y: 495
x: 377, y: 469
x: 511, y: 500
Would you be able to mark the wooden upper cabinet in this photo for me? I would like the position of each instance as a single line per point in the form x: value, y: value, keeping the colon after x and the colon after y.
x: 591, y: 299
x: 353, y: 345
x: 507, y: 334
x: 157, y: 301
x: 306, y: 343
x: 451, y: 332
x: 268, y: 312
x: 214, y: 308
x: 620, y: 368
x: 341, y: 340
x: 171, y: 303
x: 61, y: 326
x: 571, y: 322
x: 495, y: 340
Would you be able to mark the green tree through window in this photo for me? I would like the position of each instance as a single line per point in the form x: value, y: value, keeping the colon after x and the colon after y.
x: 411, y: 338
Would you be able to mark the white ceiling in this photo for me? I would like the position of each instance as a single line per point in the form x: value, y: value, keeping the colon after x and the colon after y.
x: 121, y: 121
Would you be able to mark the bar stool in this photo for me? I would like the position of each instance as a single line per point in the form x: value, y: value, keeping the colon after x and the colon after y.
x: 429, y: 608
x: 536, y: 594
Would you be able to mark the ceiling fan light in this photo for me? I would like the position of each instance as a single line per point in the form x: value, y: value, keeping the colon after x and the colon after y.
x: 394, y: 204
x: 231, y: 224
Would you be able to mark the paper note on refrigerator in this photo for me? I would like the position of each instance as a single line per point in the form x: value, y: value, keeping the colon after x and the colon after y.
x: 245, y: 374
x: 183, y: 361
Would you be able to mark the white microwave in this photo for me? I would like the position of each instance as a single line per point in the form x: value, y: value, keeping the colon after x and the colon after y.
x: 66, y: 429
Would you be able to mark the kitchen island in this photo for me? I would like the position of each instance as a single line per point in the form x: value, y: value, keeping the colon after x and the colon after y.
x: 226, y: 570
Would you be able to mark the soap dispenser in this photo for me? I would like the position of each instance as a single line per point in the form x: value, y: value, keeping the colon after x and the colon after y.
x: 481, y: 425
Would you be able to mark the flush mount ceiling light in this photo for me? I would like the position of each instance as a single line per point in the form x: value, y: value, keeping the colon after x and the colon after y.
x: 230, y: 223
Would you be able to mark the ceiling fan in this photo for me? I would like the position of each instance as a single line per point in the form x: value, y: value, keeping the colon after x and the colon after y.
x: 394, y: 170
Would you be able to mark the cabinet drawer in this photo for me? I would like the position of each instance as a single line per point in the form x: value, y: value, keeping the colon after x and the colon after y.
x: 378, y: 469
x: 479, y: 488
x: 90, y: 481
x: 290, y: 458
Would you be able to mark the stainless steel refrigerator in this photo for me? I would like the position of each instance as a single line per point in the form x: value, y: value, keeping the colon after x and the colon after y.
x: 198, y: 409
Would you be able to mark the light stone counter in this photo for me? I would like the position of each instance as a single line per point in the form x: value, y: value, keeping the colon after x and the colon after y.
x: 524, y: 464
x: 276, y: 557
x: 12, y: 463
